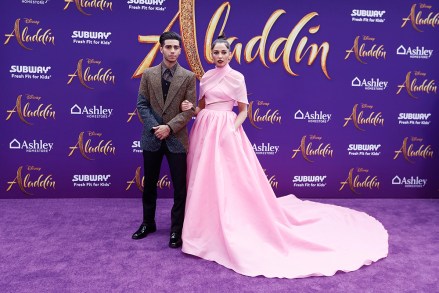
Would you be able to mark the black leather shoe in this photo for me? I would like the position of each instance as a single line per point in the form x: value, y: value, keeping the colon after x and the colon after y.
x: 175, y: 240
x: 144, y: 230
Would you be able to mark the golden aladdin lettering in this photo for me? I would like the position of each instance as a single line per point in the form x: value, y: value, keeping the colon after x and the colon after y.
x: 409, y: 151
x: 269, y: 116
x: 272, y: 180
x: 356, y: 183
x: 85, y: 75
x: 24, y: 36
x: 360, y: 51
x: 102, y: 147
x: 416, y: 18
x: 358, y: 119
x: 132, y: 114
x: 306, y: 150
x: 412, y: 87
x: 80, y: 4
x: 24, y: 112
x: 163, y: 182
x: 43, y: 181
x: 138, y: 179
x: 186, y: 15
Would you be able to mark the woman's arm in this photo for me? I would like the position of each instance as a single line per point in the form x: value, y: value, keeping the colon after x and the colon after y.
x: 242, y: 115
x: 201, y: 105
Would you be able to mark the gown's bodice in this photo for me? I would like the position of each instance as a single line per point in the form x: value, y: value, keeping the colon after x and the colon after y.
x: 216, y: 99
x: 222, y: 88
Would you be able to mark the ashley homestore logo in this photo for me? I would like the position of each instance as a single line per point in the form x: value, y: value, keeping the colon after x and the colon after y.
x: 373, y: 84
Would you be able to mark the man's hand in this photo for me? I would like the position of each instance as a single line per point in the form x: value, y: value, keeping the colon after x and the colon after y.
x: 162, y: 131
x: 186, y: 105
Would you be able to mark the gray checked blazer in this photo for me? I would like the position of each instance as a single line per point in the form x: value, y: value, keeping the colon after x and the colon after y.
x: 155, y: 111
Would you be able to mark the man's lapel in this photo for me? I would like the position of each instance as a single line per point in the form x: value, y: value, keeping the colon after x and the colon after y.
x: 156, y: 81
x: 177, y: 81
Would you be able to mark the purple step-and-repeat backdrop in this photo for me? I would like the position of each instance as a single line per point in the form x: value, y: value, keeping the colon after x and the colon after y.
x: 343, y: 94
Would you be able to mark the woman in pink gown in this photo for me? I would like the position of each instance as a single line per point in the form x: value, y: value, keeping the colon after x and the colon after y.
x: 232, y: 214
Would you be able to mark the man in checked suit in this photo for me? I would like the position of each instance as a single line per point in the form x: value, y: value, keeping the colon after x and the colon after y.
x: 162, y: 90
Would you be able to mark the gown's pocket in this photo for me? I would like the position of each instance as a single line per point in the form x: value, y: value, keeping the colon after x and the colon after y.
x: 226, y: 135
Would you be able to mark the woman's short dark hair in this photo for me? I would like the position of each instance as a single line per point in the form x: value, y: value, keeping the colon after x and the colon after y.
x: 221, y: 40
x: 169, y: 36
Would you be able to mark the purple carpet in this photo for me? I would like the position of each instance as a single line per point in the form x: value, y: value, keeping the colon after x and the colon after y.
x: 85, y: 245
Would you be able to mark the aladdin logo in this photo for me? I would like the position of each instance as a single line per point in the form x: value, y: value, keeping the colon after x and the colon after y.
x: 25, y: 182
x: 272, y: 180
x: 364, y: 149
x: 368, y: 15
x: 162, y: 183
x: 410, y: 182
x: 25, y: 112
x: 97, y: 4
x: 414, y: 118
x: 309, y: 181
x: 357, y: 181
x: 410, y: 151
x: 412, y: 86
x: 370, y: 85
x: 84, y: 76
x: 268, y: 116
x: 152, y: 5
x: 91, y: 180
x: 91, y: 112
x: 361, y: 52
x: 316, y: 117
x: 323, y: 150
x: 418, y: 53
x: 91, y: 38
x: 31, y: 147
x: 24, y: 36
x: 103, y: 147
x: 284, y: 47
x: 416, y: 19
x: 358, y: 118
x: 134, y: 113
x: 137, y: 148
x: 265, y: 149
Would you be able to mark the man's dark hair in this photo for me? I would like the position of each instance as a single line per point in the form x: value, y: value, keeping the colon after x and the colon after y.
x: 169, y: 36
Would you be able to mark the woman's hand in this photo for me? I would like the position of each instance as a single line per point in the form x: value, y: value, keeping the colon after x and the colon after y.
x: 186, y: 105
